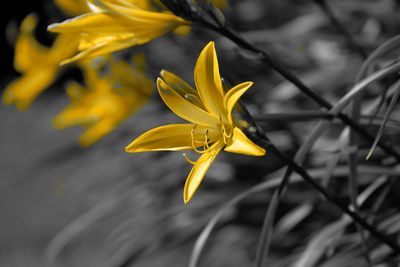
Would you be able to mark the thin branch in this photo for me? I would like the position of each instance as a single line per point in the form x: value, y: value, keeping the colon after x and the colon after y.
x: 297, y: 116
x: 333, y: 199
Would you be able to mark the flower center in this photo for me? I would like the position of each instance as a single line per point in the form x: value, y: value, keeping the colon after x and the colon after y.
x: 203, y: 141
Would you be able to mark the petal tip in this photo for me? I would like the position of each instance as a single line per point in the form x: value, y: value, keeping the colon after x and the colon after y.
x: 186, y: 197
x: 53, y: 27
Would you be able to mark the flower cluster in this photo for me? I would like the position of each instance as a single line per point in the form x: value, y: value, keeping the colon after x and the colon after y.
x: 105, y: 102
x: 113, y: 25
x: 38, y: 64
x: 115, y: 90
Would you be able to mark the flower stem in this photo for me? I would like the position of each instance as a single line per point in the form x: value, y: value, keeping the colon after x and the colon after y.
x: 333, y: 199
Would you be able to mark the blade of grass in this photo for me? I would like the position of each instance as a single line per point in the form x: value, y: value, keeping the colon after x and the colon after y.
x: 318, y: 244
x: 389, y: 111
x: 271, y: 182
x: 313, y: 137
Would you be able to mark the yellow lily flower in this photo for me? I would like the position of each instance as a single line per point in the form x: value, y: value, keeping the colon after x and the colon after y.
x: 106, y: 102
x: 117, y: 24
x: 39, y: 65
x: 73, y: 7
x: 209, y: 110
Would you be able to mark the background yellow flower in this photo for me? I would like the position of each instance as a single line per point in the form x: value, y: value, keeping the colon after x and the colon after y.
x: 39, y: 65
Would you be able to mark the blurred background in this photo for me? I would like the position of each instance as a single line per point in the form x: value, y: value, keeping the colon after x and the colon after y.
x: 64, y: 205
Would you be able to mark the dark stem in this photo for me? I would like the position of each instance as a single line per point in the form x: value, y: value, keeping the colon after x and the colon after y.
x: 341, y: 28
x: 298, y: 116
x: 333, y: 199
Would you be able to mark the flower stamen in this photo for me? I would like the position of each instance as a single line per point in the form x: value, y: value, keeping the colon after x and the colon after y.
x: 205, y: 143
x: 186, y: 157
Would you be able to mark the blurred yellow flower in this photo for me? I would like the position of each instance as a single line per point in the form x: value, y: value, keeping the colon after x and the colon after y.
x: 105, y: 102
x: 117, y: 24
x: 39, y: 65
x: 73, y: 7
x: 208, y: 109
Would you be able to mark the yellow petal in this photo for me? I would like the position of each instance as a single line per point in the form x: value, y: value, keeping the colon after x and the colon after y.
x: 107, y: 31
x: 72, y: 7
x: 198, y: 171
x: 95, y: 46
x: 131, y: 78
x: 184, y: 108
x: 65, y: 46
x: 241, y: 144
x: 74, y: 91
x: 177, y: 83
x: 208, y: 80
x: 74, y: 116
x: 168, y: 137
x: 103, y: 22
x: 115, y: 4
x: 96, y: 132
x: 28, y: 52
x: 23, y: 91
x: 233, y: 96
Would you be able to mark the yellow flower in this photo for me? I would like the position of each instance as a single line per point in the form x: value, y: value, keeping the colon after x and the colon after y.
x: 73, y: 7
x: 106, y: 102
x: 209, y: 110
x: 38, y: 64
x: 117, y: 24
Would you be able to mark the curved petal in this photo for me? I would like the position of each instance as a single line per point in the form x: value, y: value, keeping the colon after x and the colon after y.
x: 65, y: 46
x: 72, y: 7
x: 184, y: 108
x: 233, y: 96
x: 173, y: 137
x: 177, y: 83
x: 94, y: 46
x: 182, y: 87
x: 241, y: 144
x: 103, y: 22
x: 198, y: 171
x: 208, y: 80
x: 23, y: 91
x: 28, y: 52
x: 74, y: 116
x: 97, y: 131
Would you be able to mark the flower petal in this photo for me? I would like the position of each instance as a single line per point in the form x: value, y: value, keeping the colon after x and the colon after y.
x: 198, y: 171
x: 233, y: 96
x: 97, y: 131
x: 105, y: 32
x: 184, y: 108
x: 75, y: 115
x: 103, y: 22
x: 208, y: 80
x: 23, y: 91
x: 173, y: 137
x: 65, y: 46
x: 28, y: 52
x: 72, y: 7
x: 241, y: 144
x: 177, y: 83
